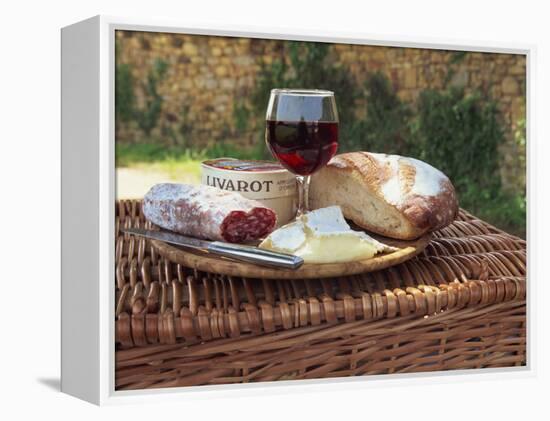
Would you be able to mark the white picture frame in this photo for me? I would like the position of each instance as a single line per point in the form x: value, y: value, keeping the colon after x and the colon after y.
x: 88, y: 196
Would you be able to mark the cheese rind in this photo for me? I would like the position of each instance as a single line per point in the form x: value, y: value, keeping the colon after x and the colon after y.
x: 323, y: 236
x: 337, y: 247
x: 286, y: 240
x: 329, y: 219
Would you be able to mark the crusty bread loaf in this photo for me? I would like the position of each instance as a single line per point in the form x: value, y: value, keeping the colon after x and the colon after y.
x: 391, y: 195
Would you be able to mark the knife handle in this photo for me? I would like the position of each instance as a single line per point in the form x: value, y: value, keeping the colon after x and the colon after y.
x: 255, y: 255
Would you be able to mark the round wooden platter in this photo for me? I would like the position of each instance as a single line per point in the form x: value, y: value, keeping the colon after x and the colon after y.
x: 205, y: 262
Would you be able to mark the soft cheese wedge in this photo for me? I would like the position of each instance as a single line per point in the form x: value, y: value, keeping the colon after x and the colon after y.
x: 323, y: 236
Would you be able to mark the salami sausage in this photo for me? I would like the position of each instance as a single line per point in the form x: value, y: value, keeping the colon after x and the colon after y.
x: 208, y: 213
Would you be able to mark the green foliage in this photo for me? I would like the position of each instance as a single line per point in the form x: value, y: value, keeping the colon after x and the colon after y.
x: 241, y: 115
x: 457, y: 57
x: 460, y: 134
x: 270, y: 77
x: 126, y: 108
x: 175, y: 128
x: 124, y: 93
x: 507, y: 211
x: 147, y: 116
x: 126, y: 154
x: 521, y: 142
x: 385, y: 126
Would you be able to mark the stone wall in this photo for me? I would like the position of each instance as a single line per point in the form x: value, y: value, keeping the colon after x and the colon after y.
x: 207, y: 75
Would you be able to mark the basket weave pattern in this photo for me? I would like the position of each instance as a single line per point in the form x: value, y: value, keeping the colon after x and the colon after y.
x: 460, y: 304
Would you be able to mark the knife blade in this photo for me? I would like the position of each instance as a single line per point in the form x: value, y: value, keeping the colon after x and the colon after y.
x: 239, y: 252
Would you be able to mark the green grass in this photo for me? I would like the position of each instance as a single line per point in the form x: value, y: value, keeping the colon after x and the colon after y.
x: 175, y: 170
x: 154, y: 158
x: 131, y: 155
x: 504, y: 210
x: 175, y: 162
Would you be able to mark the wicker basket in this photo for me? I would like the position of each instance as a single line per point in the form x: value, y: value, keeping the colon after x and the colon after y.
x: 461, y: 304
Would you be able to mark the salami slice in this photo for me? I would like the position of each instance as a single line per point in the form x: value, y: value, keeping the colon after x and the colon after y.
x: 207, y: 212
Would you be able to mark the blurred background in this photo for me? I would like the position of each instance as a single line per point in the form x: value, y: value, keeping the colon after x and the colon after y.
x: 180, y: 99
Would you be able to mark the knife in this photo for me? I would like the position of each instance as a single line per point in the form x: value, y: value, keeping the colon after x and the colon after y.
x: 239, y: 252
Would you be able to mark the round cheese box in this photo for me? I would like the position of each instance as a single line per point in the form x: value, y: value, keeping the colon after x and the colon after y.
x: 264, y: 181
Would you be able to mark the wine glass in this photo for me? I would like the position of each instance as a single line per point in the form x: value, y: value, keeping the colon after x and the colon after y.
x: 302, y: 133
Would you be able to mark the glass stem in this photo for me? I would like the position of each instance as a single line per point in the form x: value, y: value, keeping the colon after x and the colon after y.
x: 303, y: 194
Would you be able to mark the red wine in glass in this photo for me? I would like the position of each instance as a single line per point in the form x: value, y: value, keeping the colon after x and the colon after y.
x: 302, y: 147
x: 302, y: 133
